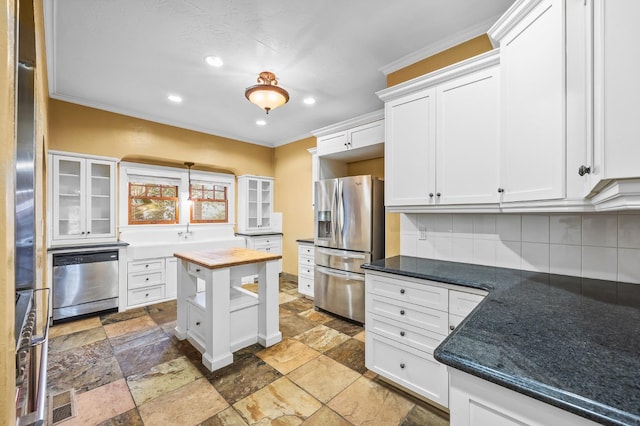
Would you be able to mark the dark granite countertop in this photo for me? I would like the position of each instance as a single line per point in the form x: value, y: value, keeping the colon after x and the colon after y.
x: 570, y: 342
x: 305, y: 240
x: 88, y: 246
x: 258, y: 234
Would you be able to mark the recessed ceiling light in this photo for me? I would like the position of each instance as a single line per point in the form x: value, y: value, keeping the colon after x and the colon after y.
x: 309, y: 101
x: 175, y: 98
x: 214, y: 61
x: 261, y: 122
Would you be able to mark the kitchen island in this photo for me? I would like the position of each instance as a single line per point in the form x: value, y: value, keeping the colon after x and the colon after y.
x: 224, y: 317
x: 569, y: 342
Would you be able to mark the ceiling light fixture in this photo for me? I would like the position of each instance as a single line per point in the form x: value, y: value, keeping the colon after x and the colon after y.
x: 261, y: 122
x: 174, y: 98
x: 309, y: 101
x: 267, y: 94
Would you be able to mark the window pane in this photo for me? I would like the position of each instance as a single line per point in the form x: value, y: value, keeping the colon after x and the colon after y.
x: 214, y: 211
x: 153, y: 191
x: 220, y: 195
x: 136, y: 190
x: 208, y: 194
x: 170, y: 191
x: 152, y: 210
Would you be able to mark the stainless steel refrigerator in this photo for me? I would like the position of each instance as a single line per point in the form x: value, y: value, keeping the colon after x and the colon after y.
x: 349, y: 232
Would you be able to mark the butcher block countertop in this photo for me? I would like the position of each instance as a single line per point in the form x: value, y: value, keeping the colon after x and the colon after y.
x: 226, y: 257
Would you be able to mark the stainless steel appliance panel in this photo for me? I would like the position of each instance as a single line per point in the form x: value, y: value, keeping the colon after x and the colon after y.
x: 345, y: 260
x: 25, y: 177
x: 84, y: 283
x: 353, y: 224
x: 326, y: 202
x: 339, y: 292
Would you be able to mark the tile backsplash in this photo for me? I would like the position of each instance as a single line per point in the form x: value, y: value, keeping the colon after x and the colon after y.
x: 595, y: 245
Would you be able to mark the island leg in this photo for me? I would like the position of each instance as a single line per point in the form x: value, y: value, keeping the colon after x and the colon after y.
x: 187, y: 286
x: 268, y: 310
x: 217, y: 294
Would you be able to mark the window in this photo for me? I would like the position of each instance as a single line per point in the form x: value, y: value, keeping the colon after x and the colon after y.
x: 151, y: 203
x: 208, y: 203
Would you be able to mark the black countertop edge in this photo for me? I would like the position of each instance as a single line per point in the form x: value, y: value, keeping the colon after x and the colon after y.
x: 88, y: 246
x: 306, y: 240
x: 502, y: 285
x: 259, y: 234
x: 566, y: 401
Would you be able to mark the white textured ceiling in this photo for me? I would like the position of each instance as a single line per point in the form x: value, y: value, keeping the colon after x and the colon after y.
x: 126, y: 56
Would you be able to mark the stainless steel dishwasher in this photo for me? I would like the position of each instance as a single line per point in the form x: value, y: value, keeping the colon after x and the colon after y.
x: 84, y: 282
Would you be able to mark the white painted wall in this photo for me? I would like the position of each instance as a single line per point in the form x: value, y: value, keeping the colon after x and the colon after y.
x: 602, y: 246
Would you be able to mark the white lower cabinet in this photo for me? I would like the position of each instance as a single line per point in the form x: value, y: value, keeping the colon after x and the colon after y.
x: 151, y: 281
x: 405, y: 320
x: 477, y: 402
x: 306, y: 262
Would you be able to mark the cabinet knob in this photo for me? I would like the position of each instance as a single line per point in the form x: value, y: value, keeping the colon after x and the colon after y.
x: 402, y: 365
x: 402, y: 333
x: 431, y: 195
x: 438, y: 194
x: 452, y: 327
x: 402, y: 291
x: 500, y: 190
x: 82, y: 233
x: 146, y: 295
x: 402, y: 312
x: 146, y: 266
x: 88, y: 232
x: 198, y: 270
x: 198, y: 324
x: 584, y: 170
x: 146, y: 279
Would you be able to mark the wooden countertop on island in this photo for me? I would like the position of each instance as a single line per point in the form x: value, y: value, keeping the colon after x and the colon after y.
x: 226, y: 257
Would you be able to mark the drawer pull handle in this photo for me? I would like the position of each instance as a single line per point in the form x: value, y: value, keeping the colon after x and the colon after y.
x: 402, y: 333
x: 452, y: 327
x: 198, y: 324
x: 402, y: 291
x: 402, y: 365
x: 402, y: 312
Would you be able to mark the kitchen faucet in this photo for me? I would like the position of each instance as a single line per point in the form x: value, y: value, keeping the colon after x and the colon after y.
x: 185, y: 234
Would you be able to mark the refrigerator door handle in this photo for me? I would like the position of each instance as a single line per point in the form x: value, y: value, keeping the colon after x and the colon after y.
x: 341, y: 253
x: 339, y: 274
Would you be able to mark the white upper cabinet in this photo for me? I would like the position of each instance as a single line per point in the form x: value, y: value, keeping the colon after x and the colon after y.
x: 410, y: 149
x: 360, y: 138
x: 467, y: 139
x: 442, y: 137
x: 255, y: 204
x: 616, y: 144
x: 532, y: 61
x: 82, y: 199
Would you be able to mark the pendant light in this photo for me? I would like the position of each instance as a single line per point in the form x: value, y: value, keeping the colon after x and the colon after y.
x: 189, y: 164
x: 267, y: 94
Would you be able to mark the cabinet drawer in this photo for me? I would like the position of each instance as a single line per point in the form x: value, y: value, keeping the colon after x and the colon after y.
x: 413, y: 369
x: 305, y: 261
x: 146, y: 265
x: 423, y: 295
x: 195, y: 321
x: 306, y: 250
x: 461, y: 303
x: 305, y: 286
x: 403, y: 333
x: 145, y: 295
x: 197, y: 270
x: 425, y: 318
x: 305, y: 271
x: 145, y: 279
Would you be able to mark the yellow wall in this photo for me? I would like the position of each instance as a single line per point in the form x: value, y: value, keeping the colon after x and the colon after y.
x: 462, y: 51
x: 292, y: 163
x: 86, y: 130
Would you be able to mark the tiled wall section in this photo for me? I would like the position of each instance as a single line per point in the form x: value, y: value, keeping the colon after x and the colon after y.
x: 602, y: 246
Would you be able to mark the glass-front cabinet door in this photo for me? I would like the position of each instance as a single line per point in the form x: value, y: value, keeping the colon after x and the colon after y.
x: 265, y: 203
x: 255, y: 204
x: 83, y: 198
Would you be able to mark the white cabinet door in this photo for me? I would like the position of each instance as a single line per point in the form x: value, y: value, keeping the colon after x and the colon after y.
x: 366, y: 135
x: 616, y: 90
x: 410, y: 129
x: 333, y: 143
x: 255, y: 203
x: 83, y: 197
x: 467, y: 141
x: 532, y: 60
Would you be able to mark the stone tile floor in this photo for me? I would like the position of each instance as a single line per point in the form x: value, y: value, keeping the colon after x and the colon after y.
x: 128, y: 369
